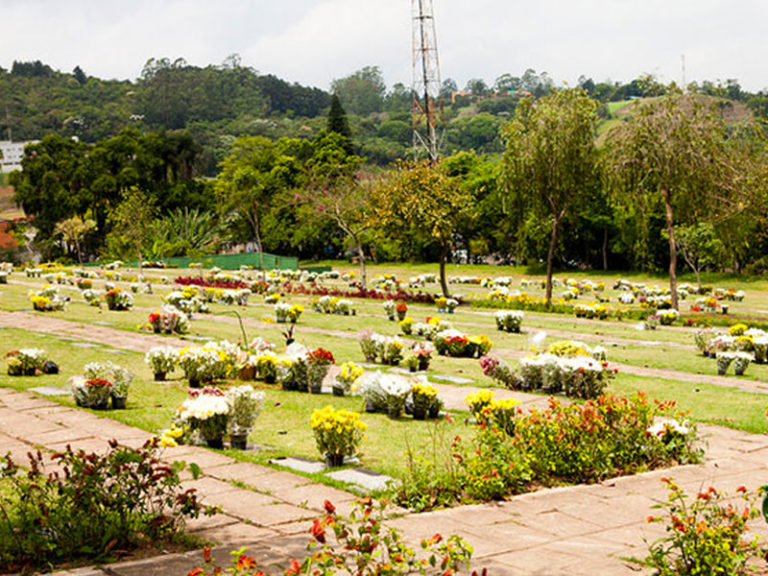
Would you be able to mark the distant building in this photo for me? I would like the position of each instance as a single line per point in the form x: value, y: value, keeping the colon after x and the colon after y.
x: 13, y: 152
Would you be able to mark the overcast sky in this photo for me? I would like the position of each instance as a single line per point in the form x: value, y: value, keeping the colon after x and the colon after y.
x: 314, y: 41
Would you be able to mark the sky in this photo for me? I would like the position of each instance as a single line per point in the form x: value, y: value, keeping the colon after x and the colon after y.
x: 313, y: 42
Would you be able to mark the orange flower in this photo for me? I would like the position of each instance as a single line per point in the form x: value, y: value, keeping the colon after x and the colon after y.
x: 330, y: 508
x: 318, y: 531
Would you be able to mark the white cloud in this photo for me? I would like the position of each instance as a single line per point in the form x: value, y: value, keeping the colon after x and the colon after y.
x: 314, y: 41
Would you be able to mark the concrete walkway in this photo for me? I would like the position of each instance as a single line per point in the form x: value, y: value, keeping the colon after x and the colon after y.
x: 563, y: 531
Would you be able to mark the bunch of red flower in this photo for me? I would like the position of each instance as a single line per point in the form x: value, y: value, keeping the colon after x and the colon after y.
x: 321, y: 356
x: 98, y: 383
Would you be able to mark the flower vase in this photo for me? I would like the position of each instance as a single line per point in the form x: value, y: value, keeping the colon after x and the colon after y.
x: 423, y: 364
x: 419, y: 412
x: 118, y: 402
x: 401, y: 316
x: 217, y: 442
x: 334, y: 460
x: 270, y: 379
x: 160, y: 377
x: 247, y: 373
x: 100, y: 404
x: 238, y: 441
x: 29, y: 371
x: 194, y: 383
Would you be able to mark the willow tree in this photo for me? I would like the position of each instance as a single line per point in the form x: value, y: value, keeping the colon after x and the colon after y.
x: 420, y: 199
x: 677, y: 153
x: 550, y: 162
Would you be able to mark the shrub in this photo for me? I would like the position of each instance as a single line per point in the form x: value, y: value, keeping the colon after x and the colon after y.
x: 706, y: 535
x: 100, y: 503
x: 362, y: 546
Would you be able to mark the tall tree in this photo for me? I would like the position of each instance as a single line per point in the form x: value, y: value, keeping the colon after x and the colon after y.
x: 337, y: 122
x: 132, y: 221
x: 419, y: 198
x: 73, y: 231
x: 251, y: 176
x: 676, y: 151
x: 362, y: 92
x: 550, y: 162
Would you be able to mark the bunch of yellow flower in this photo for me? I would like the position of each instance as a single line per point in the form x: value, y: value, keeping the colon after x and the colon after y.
x: 425, y: 390
x: 338, y: 433
x: 501, y: 412
x: 349, y: 374
x: 478, y: 401
x: 738, y: 329
x: 567, y: 348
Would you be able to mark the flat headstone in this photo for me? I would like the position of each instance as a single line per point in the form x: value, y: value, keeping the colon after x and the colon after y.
x: 114, y: 351
x: 369, y: 365
x: 104, y: 323
x: 65, y: 339
x: 85, y: 345
x: 299, y: 464
x: 453, y: 379
x: 361, y: 477
x: 199, y: 338
x: 50, y: 390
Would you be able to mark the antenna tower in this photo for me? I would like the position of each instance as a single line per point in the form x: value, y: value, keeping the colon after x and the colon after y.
x: 427, y: 105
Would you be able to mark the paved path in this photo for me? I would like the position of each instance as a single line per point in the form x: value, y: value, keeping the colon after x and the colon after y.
x: 583, y: 530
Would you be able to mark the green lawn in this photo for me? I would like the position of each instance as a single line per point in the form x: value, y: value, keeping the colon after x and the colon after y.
x: 283, y: 427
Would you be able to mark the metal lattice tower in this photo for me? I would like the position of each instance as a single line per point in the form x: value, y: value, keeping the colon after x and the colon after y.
x: 427, y: 105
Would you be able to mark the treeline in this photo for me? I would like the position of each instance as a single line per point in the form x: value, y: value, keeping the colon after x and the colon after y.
x: 218, y: 103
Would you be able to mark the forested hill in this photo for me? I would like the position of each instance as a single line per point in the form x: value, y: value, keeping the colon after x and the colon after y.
x: 217, y: 103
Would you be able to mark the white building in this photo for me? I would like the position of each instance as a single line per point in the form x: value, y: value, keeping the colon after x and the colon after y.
x: 12, y: 153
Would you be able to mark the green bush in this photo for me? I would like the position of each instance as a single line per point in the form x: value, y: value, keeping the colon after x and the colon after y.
x: 91, y: 507
x: 706, y: 535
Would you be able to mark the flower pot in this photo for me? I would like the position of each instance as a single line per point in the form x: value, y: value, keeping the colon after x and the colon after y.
x: 238, y: 441
x: 370, y: 407
x: 394, y: 410
x: 247, y: 373
x: 423, y: 364
x: 338, y: 391
x: 316, y: 387
x: 739, y: 371
x: 160, y: 377
x: 118, y: 402
x: 289, y: 386
x: 217, y: 443
x: 100, y: 404
x: 29, y: 371
x: 270, y: 379
x: 194, y: 383
x: 419, y: 413
x: 401, y: 316
x: 334, y: 460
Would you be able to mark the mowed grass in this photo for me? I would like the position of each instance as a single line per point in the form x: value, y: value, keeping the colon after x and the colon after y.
x: 283, y: 427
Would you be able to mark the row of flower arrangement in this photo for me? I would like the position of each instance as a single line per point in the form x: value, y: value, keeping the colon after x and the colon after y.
x: 28, y: 362
x: 739, y: 346
x: 568, y: 367
x: 101, y: 383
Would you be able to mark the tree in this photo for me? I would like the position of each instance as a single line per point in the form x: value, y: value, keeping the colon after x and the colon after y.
x: 74, y: 230
x: 550, y: 162
x: 133, y: 219
x: 79, y: 75
x: 699, y: 246
x: 362, y: 92
x: 252, y: 175
x: 337, y: 122
x: 418, y: 198
x: 335, y: 192
x: 676, y: 151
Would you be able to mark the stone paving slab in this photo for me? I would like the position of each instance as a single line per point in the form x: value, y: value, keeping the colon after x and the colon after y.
x: 299, y: 464
x: 51, y: 390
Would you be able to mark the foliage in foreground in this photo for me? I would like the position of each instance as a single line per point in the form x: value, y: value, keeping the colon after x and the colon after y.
x: 706, y: 535
x: 362, y: 546
x: 563, y: 444
x: 90, y: 506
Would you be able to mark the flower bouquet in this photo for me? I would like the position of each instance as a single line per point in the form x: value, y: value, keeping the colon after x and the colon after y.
x: 244, y: 406
x: 396, y: 390
x: 206, y: 412
x: 509, y: 320
x: 162, y: 360
x: 319, y: 361
x: 389, y: 309
x: 119, y: 377
x: 92, y: 393
x: 338, y: 433
x: 346, y: 378
x: 424, y: 398
x: 25, y: 362
x: 118, y: 299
